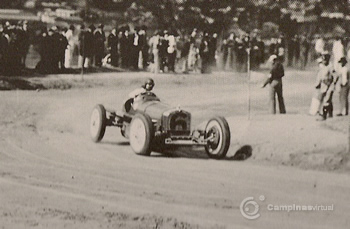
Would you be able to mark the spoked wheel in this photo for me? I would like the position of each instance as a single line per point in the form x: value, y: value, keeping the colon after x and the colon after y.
x: 217, y: 133
x: 141, y: 134
x: 98, y: 123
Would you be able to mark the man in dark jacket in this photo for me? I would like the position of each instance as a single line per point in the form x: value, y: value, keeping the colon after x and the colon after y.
x: 112, y: 43
x: 99, y: 38
x: 275, y: 81
x: 204, y: 53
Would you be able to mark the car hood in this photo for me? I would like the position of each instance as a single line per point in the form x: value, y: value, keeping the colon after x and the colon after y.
x: 154, y: 109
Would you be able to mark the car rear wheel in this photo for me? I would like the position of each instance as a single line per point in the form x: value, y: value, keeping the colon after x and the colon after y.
x: 98, y: 123
x: 141, y: 134
x: 217, y: 133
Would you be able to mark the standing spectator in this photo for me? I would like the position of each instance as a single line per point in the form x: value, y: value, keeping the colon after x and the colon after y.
x: 135, y: 50
x: 212, y: 50
x: 205, y: 53
x: 193, y: 54
x: 291, y: 50
x: 163, y: 50
x: 297, y: 50
x: 86, y: 46
x: 112, y: 43
x: 185, y: 50
x: 344, y: 87
x: 319, y: 46
x: 246, y: 46
x: 71, y: 45
x: 275, y: 81
x: 99, y: 38
x: 240, y: 53
x: 315, y: 102
x: 171, y: 51
x: 304, y: 51
x: 254, y: 53
x: 4, y: 45
x: 143, y: 46
x: 230, y: 51
x: 125, y: 48
x: 23, y: 36
x: 62, y: 46
x: 325, y: 84
x: 261, y: 46
x: 42, y: 65
x: 154, y: 47
x: 338, y: 53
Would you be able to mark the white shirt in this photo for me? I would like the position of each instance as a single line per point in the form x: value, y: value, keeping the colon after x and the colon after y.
x: 319, y: 45
x: 344, y: 76
x: 338, y: 50
x: 172, y: 44
x: 70, y: 37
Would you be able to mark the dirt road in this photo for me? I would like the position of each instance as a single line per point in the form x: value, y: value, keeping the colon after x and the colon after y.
x: 53, y: 176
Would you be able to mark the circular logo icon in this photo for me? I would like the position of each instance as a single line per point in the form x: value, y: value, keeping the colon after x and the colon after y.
x: 249, y: 208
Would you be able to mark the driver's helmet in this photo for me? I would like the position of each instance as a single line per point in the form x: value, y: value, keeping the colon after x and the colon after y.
x: 149, y: 81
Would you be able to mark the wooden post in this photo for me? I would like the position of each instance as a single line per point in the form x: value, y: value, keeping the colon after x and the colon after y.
x: 248, y: 73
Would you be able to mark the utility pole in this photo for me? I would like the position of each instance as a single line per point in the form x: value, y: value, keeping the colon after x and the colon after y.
x: 248, y: 73
x: 83, y: 41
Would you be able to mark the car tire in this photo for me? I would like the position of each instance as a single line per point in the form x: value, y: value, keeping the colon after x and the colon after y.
x: 141, y: 134
x: 98, y: 122
x: 218, y: 132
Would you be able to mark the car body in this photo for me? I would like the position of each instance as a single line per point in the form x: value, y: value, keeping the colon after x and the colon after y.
x: 151, y: 124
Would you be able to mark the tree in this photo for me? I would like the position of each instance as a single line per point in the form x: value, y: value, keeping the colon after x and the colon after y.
x: 12, y: 3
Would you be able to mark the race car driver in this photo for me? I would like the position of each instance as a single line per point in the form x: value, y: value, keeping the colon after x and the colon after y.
x: 134, y: 96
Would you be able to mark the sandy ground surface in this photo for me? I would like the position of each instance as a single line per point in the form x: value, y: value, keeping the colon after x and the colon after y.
x: 53, y: 176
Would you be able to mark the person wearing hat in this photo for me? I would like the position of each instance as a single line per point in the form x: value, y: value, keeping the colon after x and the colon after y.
x: 275, y: 82
x: 134, y: 96
x: 99, y: 39
x: 326, y: 83
x: 344, y: 87
x: 315, y: 101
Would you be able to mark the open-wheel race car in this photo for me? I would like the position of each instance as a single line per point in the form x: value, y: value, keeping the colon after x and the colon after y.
x: 153, y: 125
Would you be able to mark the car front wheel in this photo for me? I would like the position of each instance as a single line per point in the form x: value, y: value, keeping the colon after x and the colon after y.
x: 141, y: 134
x: 217, y: 133
x: 98, y: 123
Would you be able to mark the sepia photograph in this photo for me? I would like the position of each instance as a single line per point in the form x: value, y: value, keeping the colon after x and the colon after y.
x: 174, y: 114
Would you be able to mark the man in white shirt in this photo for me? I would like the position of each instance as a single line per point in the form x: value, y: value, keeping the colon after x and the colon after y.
x: 326, y: 85
x: 344, y: 88
x: 338, y: 53
x: 70, y: 48
x: 319, y: 45
x: 154, y: 47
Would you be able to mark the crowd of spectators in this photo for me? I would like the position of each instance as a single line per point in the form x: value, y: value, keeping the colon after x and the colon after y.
x: 14, y: 44
x: 135, y: 49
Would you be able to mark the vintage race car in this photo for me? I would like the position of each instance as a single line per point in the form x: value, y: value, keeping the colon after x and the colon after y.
x: 150, y: 124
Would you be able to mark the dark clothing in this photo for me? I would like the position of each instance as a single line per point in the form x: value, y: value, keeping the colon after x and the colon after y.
x: 63, y: 44
x: 125, y: 49
x: 204, y: 52
x: 99, y: 39
x: 86, y: 44
x: 277, y: 71
x: 276, y: 89
x: 112, y: 43
x: 163, y: 53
